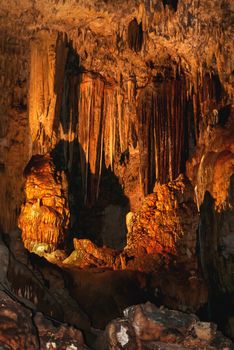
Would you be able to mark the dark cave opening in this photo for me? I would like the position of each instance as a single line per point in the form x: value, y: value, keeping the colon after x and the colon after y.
x: 102, y: 219
x: 217, y: 266
x: 172, y: 3
x: 135, y: 35
x: 224, y: 115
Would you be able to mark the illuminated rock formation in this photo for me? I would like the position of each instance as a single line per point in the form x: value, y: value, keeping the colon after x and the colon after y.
x: 44, y: 217
x: 122, y: 95
x: 154, y: 70
x: 86, y: 254
x: 166, y: 224
x: 162, y: 239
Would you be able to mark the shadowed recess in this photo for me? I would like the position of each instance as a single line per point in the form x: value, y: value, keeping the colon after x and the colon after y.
x: 135, y: 35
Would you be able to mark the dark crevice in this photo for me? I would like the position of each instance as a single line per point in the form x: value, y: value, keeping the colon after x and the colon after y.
x: 224, y: 114
x: 135, y: 35
x: 171, y: 3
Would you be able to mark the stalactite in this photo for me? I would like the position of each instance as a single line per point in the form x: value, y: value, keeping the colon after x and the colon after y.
x: 110, y: 126
x: 90, y: 134
x: 48, y: 59
x: 161, y: 134
x: 120, y: 121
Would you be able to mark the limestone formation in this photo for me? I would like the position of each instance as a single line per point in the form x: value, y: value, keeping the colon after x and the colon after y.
x: 104, y: 104
x: 44, y: 218
x: 77, y: 62
x: 166, y: 224
x: 86, y: 254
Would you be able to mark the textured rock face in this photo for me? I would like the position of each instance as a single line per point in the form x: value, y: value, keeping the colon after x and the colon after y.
x: 211, y: 170
x: 143, y: 327
x: 86, y: 254
x: 148, y: 327
x: 20, y: 331
x: 161, y: 241
x: 62, y: 337
x: 15, y: 143
x: 166, y: 223
x: 44, y: 218
x: 211, y: 167
x: 17, y: 330
x: 38, y: 285
x: 121, y: 94
x: 99, y: 60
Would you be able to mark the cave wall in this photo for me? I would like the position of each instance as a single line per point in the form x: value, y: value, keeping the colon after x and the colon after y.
x: 15, y: 143
x: 98, y: 129
x: 124, y: 95
x: 124, y: 87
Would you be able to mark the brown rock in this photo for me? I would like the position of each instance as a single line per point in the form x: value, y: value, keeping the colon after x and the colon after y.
x: 17, y: 329
x: 121, y: 335
x: 205, y: 331
x: 20, y: 331
x: 156, y: 328
x: 62, y: 337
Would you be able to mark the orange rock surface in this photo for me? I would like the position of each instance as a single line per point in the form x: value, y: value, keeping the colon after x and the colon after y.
x: 44, y: 217
x: 87, y: 254
x: 166, y: 223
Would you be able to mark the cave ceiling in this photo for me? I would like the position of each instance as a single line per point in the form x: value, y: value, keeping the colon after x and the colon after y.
x: 195, y: 36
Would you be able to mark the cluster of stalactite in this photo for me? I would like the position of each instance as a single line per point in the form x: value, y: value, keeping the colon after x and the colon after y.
x: 105, y: 130
x: 105, y: 119
x: 162, y: 131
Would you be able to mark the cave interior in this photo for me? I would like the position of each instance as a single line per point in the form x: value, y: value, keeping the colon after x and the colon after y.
x: 116, y: 174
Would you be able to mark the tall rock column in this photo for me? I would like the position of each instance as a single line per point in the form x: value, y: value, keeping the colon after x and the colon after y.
x: 48, y: 59
x: 44, y: 217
